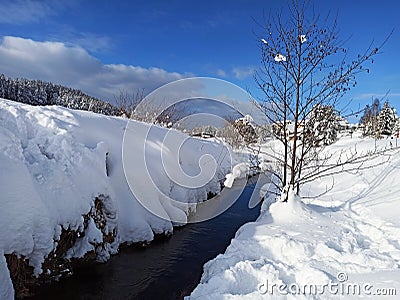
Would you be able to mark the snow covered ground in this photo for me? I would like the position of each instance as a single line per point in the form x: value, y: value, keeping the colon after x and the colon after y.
x: 343, y: 244
x: 62, y: 171
x: 73, y: 171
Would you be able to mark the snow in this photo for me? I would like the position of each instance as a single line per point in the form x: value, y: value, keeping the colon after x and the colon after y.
x: 6, y: 287
x: 247, y: 119
x: 240, y: 170
x: 264, y: 41
x: 86, y: 244
x: 55, y: 162
x: 347, y: 237
x: 279, y: 57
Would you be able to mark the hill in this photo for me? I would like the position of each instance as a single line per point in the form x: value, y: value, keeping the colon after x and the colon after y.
x: 37, y: 92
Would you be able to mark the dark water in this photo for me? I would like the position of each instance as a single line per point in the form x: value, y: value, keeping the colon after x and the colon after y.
x: 167, y: 269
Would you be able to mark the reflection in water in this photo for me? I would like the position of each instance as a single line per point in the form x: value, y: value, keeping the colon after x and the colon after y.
x: 167, y: 269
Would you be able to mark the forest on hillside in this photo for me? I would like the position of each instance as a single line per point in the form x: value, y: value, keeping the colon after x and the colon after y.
x: 38, y: 92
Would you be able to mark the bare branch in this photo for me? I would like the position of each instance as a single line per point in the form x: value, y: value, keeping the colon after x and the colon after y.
x: 305, y: 67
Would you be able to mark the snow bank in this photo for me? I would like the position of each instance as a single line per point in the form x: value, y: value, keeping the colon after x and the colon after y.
x: 240, y: 170
x: 246, y: 162
x: 6, y: 287
x: 62, y: 175
x: 349, y: 238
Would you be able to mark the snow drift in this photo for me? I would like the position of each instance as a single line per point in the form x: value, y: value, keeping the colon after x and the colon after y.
x: 62, y: 176
x: 345, y: 243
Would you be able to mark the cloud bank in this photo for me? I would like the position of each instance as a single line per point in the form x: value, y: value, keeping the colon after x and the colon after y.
x: 74, y: 67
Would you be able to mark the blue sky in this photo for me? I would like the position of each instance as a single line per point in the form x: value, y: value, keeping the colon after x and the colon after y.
x: 102, y: 47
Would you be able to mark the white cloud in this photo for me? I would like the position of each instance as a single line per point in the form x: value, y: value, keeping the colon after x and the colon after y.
x: 221, y: 73
x: 370, y: 96
x: 73, y: 66
x: 91, y: 42
x: 29, y: 11
x: 243, y: 72
x: 19, y: 11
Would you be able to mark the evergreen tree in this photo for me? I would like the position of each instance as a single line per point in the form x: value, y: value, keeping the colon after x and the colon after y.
x: 396, y: 129
x: 387, y: 120
x: 322, y: 126
x: 246, y: 129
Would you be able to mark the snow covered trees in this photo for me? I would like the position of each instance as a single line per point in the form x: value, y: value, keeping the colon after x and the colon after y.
x: 241, y: 132
x: 322, y: 126
x: 379, y: 122
x: 297, y: 75
x: 387, y: 120
x: 246, y: 128
x: 37, y: 92
x: 319, y: 129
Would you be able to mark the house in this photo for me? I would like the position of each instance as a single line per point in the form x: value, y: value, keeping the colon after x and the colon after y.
x: 278, y: 128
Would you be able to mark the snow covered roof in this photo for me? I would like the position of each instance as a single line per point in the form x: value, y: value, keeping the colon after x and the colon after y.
x: 247, y: 119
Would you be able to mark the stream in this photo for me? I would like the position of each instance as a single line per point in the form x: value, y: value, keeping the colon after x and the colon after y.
x: 169, y: 268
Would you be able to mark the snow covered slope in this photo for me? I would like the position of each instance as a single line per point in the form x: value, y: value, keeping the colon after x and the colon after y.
x: 341, y: 245
x: 62, y: 175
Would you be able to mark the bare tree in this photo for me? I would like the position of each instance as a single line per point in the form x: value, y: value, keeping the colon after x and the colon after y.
x: 149, y: 111
x: 127, y: 102
x: 230, y: 135
x: 304, y: 64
